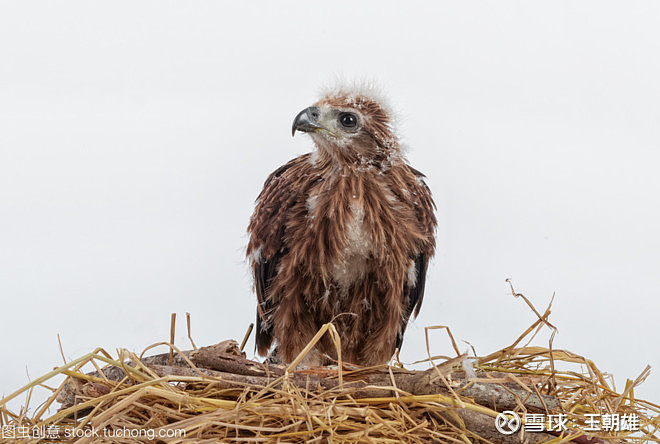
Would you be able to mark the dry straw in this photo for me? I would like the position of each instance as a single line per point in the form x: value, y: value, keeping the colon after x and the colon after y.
x: 197, y: 405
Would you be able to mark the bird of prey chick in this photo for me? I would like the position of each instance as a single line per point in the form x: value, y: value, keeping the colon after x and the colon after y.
x: 341, y: 234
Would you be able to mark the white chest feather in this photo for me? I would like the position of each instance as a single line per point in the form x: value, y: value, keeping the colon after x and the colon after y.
x: 352, y: 265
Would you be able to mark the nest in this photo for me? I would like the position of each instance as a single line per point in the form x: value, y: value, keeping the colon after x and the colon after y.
x: 532, y: 393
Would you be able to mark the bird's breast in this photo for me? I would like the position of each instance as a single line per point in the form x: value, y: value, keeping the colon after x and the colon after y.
x: 352, y: 263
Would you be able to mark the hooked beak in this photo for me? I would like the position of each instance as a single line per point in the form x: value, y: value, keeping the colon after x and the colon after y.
x: 307, y: 121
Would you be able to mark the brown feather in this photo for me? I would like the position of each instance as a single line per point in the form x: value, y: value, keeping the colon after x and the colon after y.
x: 345, y: 228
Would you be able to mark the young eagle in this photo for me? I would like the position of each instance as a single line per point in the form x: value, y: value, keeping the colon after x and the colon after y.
x: 342, y: 234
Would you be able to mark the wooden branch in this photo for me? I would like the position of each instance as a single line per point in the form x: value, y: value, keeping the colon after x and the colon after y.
x: 228, y: 366
x: 484, y: 427
x: 225, y: 361
x: 227, y: 357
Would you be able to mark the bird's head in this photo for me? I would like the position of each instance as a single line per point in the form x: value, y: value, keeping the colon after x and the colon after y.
x: 350, y: 126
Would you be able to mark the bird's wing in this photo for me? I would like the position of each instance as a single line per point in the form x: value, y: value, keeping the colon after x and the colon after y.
x: 425, y: 212
x: 266, y: 245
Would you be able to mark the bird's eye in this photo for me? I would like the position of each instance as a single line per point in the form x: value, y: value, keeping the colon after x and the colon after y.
x: 348, y: 120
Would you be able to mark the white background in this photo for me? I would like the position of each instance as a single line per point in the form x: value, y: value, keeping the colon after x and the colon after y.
x: 135, y: 136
